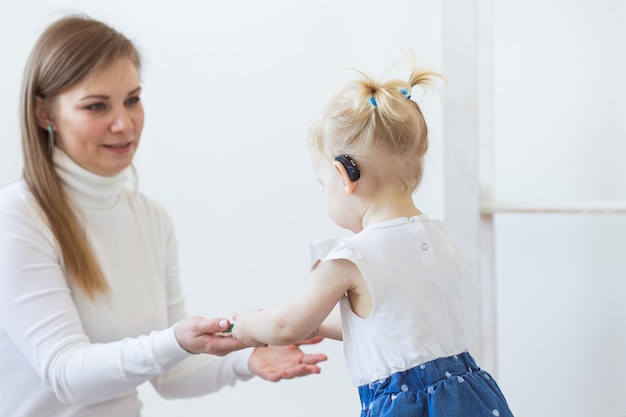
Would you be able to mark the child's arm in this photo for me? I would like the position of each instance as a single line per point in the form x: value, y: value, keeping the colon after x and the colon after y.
x: 300, y: 316
x: 331, y: 327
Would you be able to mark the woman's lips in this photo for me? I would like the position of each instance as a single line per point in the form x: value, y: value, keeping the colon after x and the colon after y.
x: 119, y: 148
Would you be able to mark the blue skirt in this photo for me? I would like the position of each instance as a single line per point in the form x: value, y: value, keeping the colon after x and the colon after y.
x: 445, y: 387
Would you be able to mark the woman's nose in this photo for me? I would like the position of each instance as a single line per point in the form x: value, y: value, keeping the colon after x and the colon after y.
x: 122, y: 121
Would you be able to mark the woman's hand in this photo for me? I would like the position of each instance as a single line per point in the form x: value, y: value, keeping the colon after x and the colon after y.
x: 200, y: 335
x: 274, y: 363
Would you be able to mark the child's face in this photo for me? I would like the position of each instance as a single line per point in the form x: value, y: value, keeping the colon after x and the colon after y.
x: 338, y: 203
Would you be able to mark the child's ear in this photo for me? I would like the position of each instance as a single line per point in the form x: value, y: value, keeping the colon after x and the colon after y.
x: 346, y: 182
x: 43, y: 114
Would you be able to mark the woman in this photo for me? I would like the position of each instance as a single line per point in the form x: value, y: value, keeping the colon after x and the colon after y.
x: 90, y: 299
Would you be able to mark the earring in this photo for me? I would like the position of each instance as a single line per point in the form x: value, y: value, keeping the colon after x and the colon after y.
x: 50, y: 140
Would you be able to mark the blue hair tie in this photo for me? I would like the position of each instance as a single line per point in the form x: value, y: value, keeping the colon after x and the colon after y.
x: 373, y: 101
x: 405, y: 93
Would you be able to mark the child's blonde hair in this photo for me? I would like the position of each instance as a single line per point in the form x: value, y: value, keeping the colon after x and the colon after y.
x: 379, y: 126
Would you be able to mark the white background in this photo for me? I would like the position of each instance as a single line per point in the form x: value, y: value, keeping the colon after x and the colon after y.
x: 560, y: 135
x: 230, y: 89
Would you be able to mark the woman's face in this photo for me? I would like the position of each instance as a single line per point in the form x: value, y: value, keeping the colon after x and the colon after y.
x: 98, y: 122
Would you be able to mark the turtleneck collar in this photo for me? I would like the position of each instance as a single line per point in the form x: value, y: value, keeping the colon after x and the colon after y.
x: 87, y: 189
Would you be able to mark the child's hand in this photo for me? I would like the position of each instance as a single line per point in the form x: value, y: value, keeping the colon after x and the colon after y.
x: 240, y: 331
x: 200, y: 335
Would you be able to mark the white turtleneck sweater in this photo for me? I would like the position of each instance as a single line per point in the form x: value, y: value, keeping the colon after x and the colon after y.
x: 62, y: 355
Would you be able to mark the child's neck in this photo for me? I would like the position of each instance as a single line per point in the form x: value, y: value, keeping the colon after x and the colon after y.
x: 387, y: 209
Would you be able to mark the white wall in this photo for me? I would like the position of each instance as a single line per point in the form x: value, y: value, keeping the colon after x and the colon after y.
x: 230, y: 89
x: 559, y: 135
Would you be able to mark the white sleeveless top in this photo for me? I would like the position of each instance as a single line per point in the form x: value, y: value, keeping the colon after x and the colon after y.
x: 412, y: 269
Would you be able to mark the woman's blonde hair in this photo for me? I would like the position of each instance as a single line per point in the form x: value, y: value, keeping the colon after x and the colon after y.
x: 66, y: 53
x: 379, y: 125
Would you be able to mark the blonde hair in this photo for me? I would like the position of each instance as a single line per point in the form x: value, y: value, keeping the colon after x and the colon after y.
x: 379, y: 125
x: 67, y: 52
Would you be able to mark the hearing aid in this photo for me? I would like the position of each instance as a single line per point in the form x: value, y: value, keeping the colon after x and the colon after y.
x: 353, y: 171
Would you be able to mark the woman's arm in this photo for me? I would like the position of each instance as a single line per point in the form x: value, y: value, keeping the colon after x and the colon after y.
x: 40, y: 319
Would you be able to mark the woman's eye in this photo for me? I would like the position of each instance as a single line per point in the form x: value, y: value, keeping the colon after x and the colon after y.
x: 133, y: 100
x: 96, y: 106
